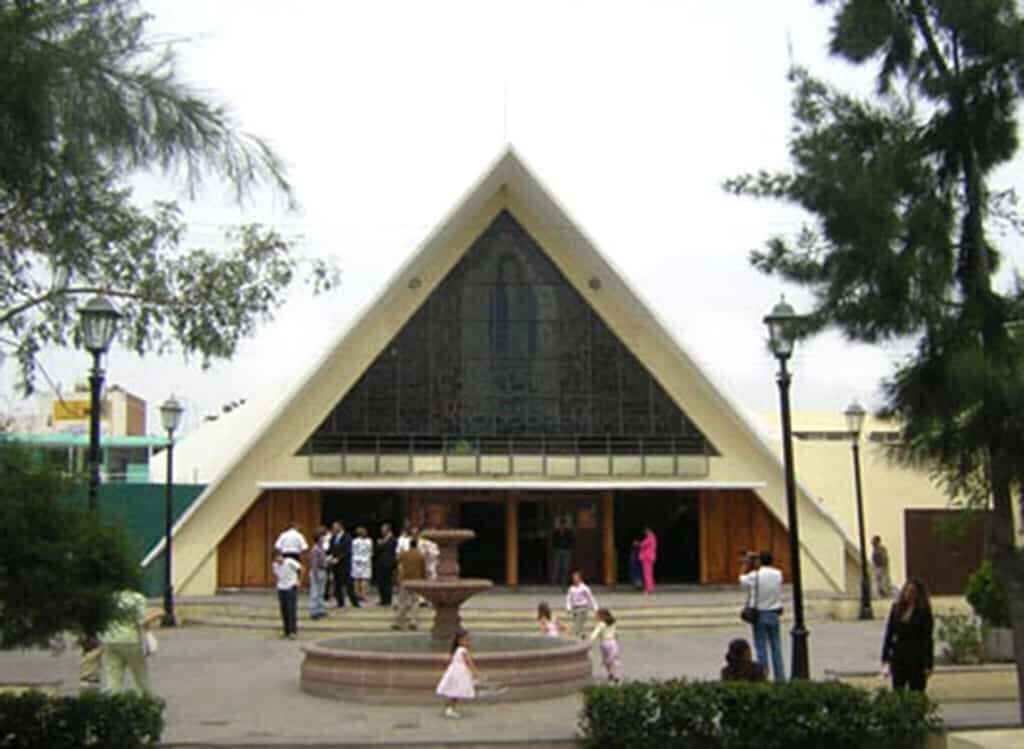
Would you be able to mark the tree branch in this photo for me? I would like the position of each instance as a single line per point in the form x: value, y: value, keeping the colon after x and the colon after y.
x: 28, y: 304
x: 921, y: 20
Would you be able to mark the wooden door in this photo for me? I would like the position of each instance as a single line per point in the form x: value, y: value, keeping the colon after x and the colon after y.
x: 943, y: 547
x: 734, y: 521
x: 245, y: 554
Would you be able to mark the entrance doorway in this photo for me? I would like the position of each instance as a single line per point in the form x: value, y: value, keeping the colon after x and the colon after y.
x: 483, y: 556
x: 674, y: 516
x: 367, y: 509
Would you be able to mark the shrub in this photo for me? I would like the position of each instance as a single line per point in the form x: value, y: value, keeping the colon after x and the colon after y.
x: 678, y: 714
x: 960, y: 635
x: 98, y: 721
x: 987, y: 597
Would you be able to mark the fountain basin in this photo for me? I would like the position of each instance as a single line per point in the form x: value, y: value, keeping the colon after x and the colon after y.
x: 447, y: 596
x: 405, y: 668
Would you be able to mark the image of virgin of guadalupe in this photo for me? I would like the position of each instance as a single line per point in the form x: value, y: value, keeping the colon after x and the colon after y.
x: 513, y: 333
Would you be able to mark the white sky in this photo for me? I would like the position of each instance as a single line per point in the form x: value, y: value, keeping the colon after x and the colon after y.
x: 631, y: 112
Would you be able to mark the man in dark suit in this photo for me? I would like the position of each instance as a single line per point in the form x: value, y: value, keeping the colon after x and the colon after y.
x: 384, y: 563
x: 341, y: 551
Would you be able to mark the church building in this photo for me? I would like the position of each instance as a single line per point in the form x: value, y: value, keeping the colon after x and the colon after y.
x: 505, y: 378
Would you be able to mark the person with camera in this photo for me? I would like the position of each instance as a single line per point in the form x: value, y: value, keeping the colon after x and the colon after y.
x: 764, y: 583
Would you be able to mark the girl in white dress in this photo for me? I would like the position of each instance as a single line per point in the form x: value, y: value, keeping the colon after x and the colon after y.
x: 362, y: 561
x: 457, y: 683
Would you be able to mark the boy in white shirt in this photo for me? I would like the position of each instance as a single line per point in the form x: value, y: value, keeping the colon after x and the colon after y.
x: 287, y: 571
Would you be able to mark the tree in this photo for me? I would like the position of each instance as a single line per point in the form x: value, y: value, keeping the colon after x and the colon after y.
x: 900, y: 188
x: 59, y: 564
x: 87, y: 100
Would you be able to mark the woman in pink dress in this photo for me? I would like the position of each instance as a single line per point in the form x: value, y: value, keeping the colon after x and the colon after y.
x: 648, y: 554
x: 458, y: 683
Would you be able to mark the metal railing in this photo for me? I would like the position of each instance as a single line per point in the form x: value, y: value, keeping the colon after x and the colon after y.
x: 522, y: 455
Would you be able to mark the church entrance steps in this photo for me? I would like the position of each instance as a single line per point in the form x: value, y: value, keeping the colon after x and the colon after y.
x: 502, y: 612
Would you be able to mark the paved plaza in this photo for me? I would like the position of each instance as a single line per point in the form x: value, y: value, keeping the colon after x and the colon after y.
x: 240, y: 687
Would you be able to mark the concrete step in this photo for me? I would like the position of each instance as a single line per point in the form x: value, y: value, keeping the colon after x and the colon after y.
x: 263, y: 614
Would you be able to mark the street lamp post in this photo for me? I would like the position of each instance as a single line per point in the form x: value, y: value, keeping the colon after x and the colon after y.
x: 99, y: 323
x: 170, y: 415
x: 855, y: 414
x: 782, y: 328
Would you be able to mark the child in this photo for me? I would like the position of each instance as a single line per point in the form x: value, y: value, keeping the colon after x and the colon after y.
x: 611, y: 655
x: 287, y: 572
x: 458, y: 680
x: 549, y: 626
x: 739, y: 663
x: 579, y: 601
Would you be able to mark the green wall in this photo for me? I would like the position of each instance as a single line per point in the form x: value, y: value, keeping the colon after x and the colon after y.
x: 139, y: 509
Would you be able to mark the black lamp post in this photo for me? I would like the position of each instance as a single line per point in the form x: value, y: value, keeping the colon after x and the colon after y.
x: 99, y: 323
x: 782, y: 328
x: 855, y: 414
x: 170, y: 415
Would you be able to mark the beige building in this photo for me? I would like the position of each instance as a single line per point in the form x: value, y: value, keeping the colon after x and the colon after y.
x: 508, y: 377
x: 121, y: 413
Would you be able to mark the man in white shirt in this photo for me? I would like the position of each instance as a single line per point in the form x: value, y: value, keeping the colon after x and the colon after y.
x: 764, y: 583
x: 291, y: 543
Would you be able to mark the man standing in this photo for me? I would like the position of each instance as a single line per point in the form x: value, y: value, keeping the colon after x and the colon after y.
x: 563, y: 540
x: 291, y: 543
x: 765, y: 585
x: 384, y: 563
x: 880, y: 567
x: 340, y: 550
x: 411, y: 566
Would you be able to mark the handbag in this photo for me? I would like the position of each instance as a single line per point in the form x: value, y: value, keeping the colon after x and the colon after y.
x: 749, y: 612
x: 149, y: 643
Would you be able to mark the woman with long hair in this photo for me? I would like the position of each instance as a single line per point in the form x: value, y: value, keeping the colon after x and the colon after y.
x: 908, y: 649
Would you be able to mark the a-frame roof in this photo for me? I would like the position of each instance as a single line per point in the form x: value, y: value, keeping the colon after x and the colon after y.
x: 267, y: 454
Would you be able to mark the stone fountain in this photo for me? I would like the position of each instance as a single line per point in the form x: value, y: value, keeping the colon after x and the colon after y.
x: 405, y: 668
x: 449, y: 591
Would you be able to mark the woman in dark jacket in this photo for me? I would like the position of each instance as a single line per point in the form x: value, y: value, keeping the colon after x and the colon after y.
x: 908, y: 647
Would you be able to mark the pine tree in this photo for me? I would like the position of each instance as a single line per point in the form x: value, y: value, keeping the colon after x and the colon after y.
x: 899, y: 185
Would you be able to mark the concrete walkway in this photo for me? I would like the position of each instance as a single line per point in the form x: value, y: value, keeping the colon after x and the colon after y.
x: 240, y: 688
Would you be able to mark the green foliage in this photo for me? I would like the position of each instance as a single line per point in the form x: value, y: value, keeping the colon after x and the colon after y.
x: 86, y: 101
x: 59, y: 564
x: 899, y: 242
x: 101, y: 721
x: 987, y: 597
x: 677, y: 714
x: 960, y: 635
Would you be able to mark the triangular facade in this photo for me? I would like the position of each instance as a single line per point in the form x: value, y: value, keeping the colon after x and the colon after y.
x: 506, y: 352
x: 510, y: 254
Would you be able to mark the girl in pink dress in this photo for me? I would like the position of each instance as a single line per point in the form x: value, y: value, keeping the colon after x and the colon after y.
x: 608, y: 640
x: 457, y: 683
x: 549, y: 625
x: 648, y: 553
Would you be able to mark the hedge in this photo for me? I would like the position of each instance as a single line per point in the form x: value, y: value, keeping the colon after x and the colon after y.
x: 678, y: 714
x: 101, y: 721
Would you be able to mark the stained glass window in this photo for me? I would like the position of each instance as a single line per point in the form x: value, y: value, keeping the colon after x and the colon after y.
x: 503, y: 350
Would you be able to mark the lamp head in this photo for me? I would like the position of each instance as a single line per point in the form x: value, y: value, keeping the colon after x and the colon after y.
x: 855, y: 414
x: 170, y: 414
x: 99, y: 323
x: 782, y: 327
